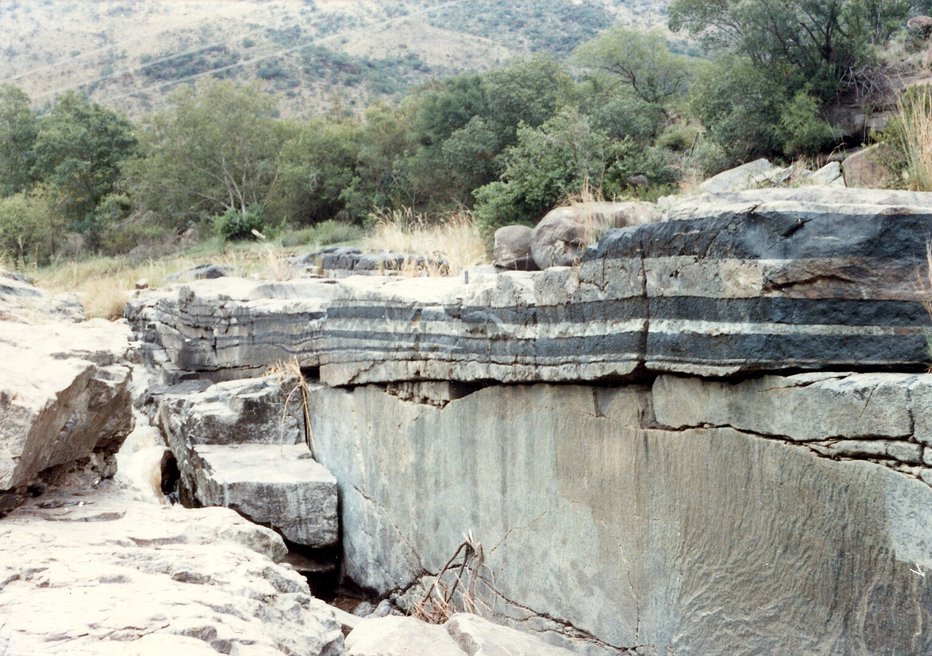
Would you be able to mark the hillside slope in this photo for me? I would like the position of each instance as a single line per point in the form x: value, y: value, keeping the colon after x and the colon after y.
x: 317, y: 54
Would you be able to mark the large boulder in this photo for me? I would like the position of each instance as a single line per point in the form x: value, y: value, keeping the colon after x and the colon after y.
x: 758, y: 173
x: 64, y: 392
x: 512, y: 249
x: 866, y: 169
x: 564, y: 233
x: 920, y: 24
x: 100, y: 573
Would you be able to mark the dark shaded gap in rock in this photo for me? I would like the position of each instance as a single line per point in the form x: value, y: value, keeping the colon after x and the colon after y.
x: 170, y: 476
x: 320, y: 566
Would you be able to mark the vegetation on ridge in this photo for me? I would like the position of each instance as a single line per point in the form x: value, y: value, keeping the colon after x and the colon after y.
x: 625, y: 115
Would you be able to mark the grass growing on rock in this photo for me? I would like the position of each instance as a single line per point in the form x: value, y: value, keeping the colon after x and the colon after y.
x: 455, y: 238
x: 103, y: 284
x: 914, y: 132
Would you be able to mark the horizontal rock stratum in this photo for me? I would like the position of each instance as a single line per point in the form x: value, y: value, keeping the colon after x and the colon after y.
x: 774, y: 280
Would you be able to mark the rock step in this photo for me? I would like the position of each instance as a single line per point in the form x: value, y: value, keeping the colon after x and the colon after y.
x: 280, y: 486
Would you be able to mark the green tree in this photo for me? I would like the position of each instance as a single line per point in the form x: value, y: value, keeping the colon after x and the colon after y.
x: 18, y: 127
x: 527, y: 93
x: 316, y: 165
x: 811, y: 42
x: 29, y: 228
x: 79, y: 152
x: 740, y: 105
x: 387, y: 137
x: 640, y: 62
x: 549, y: 163
x: 215, y: 149
x: 804, y: 131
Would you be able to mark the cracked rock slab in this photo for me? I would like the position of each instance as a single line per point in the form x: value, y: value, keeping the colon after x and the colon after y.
x: 64, y: 395
x: 604, y: 532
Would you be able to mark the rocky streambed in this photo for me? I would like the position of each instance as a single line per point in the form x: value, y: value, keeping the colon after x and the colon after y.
x: 711, y: 435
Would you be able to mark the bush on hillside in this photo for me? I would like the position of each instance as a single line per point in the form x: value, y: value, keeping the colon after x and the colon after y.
x: 237, y: 225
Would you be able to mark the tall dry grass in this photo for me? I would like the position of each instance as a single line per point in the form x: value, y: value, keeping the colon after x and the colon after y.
x: 455, y: 238
x: 104, y: 284
x: 914, y: 134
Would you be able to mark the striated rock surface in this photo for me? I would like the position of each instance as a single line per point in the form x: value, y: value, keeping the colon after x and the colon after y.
x: 344, y: 260
x: 770, y: 280
x: 100, y: 573
x: 608, y: 530
x: 230, y: 327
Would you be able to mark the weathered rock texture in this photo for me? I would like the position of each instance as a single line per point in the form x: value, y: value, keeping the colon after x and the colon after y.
x: 21, y: 301
x: 462, y: 634
x: 101, y: 573
x: 609, y: 529
x: 512, y: 249
x: 739, y: 464
x: 344, y: 260
x: 64, y: 392
x: 282, y: 487
x: 563, y: 235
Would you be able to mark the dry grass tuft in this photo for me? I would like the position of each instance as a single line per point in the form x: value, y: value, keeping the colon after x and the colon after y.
x: 455, y: 238
x: 586, y: 194
x: 289, y: 373
x: 914, y: 116
x: 454, y: 588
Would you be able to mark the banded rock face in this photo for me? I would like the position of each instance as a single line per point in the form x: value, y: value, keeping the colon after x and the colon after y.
x: 761, y: 281
x: 230, y: 327
x: 764, y: 281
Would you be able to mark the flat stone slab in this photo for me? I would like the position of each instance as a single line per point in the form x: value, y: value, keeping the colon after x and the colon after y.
x: 277, y: 485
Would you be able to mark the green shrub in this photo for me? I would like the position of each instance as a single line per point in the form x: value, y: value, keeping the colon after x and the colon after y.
x: 804, y: 130
x: 237, y: 225
x: 323, y: 234
x: 29, y: 229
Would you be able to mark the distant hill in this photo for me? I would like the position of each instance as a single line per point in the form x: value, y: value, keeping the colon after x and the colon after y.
x: 317, y: 54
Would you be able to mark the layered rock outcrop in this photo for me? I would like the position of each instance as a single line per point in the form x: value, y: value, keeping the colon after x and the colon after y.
x: 242, y: 445
x: 709, y: 437
x: 775, y: 280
